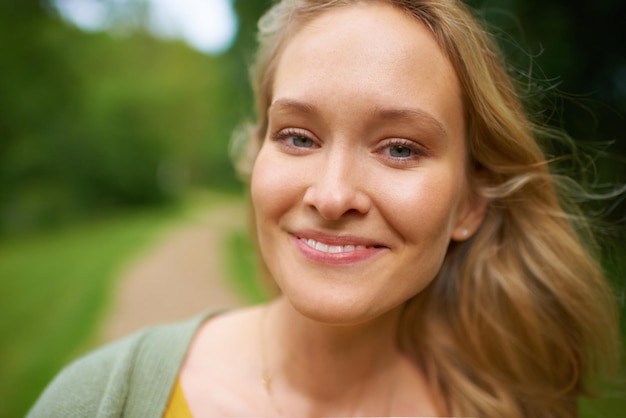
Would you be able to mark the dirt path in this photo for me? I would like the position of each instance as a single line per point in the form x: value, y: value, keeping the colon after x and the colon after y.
x: 181, y: 276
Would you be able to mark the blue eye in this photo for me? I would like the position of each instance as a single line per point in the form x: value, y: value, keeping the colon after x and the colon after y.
x: 400, y: 151
x: 295, y: 140
x: 301, y: 141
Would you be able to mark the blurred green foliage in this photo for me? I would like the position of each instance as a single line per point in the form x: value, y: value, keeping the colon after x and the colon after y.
x: 94, y: 122
x: 58, y: 290
x: 571, y: 57
x: 243, y: 273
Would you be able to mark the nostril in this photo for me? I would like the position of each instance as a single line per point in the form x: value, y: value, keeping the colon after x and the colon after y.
x: 334, y: 199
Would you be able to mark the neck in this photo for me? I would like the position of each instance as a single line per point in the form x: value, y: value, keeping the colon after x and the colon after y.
x: 321, y: 364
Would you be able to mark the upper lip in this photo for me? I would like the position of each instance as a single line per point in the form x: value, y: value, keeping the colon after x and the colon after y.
x: 340, y: 239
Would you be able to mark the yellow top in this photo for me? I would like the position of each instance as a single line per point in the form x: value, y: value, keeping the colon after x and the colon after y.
x: 177, y: 406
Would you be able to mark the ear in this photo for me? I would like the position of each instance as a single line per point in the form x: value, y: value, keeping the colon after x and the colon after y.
x: 470, y: 217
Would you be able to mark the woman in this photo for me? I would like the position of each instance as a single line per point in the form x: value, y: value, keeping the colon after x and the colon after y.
x: 405, y: 211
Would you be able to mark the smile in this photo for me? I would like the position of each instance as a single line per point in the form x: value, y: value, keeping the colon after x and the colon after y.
x: 334, y: 249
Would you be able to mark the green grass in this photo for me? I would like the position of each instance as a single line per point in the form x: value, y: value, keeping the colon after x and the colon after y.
x: 242, y: 268
x: 611, y: 401
x: 55, y: 289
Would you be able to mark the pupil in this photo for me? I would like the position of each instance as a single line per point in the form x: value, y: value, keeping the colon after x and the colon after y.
x: 400, y: 151
x: 301, y: 141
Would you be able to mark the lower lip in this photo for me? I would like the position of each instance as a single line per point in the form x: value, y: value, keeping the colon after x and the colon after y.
x: 349, y: 257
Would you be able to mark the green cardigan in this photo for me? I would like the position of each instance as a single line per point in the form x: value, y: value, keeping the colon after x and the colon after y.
x: 132, y: 377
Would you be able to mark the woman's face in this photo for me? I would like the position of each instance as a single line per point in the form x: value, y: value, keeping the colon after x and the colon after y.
x: 360, y: 183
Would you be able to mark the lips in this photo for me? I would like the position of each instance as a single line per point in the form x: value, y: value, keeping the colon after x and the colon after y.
x: 333, y: 249
x: 320, y: 246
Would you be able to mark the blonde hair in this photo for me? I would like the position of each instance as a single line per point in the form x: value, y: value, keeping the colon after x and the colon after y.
x: 520, y: 317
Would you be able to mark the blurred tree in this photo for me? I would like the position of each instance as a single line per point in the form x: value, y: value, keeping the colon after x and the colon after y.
x: 91, y: 122
x: 575, y: 50
x: 32, y: 105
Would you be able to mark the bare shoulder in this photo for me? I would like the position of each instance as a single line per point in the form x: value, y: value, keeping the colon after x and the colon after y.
x: 222, y: 363
x: 222, y: 336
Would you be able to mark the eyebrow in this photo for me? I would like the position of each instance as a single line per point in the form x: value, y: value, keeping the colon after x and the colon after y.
x: 398, y: 114
x: 287, y: 104
x: 411, y: 115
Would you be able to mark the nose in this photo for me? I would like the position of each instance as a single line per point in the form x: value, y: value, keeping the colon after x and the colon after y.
x: 338, y: 188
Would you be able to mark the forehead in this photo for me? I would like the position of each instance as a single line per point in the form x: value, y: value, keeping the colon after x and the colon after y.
x: 369, y: 54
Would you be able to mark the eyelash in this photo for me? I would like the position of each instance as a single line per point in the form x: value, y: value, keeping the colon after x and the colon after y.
x: 417, y: 151
x: 283, y: 135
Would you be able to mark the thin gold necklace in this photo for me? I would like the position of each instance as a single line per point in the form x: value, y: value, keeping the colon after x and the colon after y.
x: 267, y: 379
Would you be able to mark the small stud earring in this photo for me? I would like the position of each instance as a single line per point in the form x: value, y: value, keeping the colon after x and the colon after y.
x: 464, y: 232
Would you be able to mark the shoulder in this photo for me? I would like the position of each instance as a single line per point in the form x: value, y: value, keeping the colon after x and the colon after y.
x: 220, y: 372
x: 80, y: 388
x: 120, y: 378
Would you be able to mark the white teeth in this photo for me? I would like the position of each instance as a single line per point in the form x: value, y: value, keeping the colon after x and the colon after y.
x: 332, y: 248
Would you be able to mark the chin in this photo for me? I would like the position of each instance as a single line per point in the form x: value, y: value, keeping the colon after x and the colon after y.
x: 336, y: 310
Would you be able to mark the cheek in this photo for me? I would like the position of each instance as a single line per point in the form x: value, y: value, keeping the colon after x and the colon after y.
x: 424, y: 209
x: 257, y: 180
x: 274, y: 186
x: 263, y: 184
